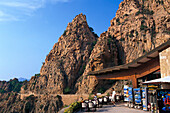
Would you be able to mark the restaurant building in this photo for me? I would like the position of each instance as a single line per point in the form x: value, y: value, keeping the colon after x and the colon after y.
x: 154, y: 64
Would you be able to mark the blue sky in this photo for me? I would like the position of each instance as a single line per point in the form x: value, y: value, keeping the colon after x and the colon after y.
x: 29, y: 29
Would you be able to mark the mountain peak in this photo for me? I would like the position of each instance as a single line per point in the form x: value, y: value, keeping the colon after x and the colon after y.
x: 77, y: 22
x: 80, y: 18
x: 66, y: 62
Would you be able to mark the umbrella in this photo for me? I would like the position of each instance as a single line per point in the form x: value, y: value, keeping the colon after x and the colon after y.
x: 158, y: 81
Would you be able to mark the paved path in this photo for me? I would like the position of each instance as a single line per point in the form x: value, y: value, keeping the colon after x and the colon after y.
x: 117, y: 109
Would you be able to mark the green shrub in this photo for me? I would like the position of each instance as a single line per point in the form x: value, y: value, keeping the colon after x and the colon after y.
x: 137, y: 33
x: 91, y: 29
x: 148, y: 12
x: 41, y: 106
x: 101, y: 90
x: 94, y: 43
x: 90, y: 96
x: 58, y: 96
x: 73, y: 107
x: 109, y: 41
x: 131, y: 35
x: 118, y: 21
x: 30, y: 97
x: 167, y: 32
x: 14, y: 85
x: 27, y: 107
x: 122, y: 39
x: 67, y: 90
x: 37, y: 75
x: 126, y: 20
x: 65, y: 106
x: 95, y: 35
x: 25, y: 87
x: 123, y: 4
x: 143, y: 27
x: 2, y: 91
x: 64, y: 32
x: 144, y: 11
x: 137, y: 13
x: 162, y: 2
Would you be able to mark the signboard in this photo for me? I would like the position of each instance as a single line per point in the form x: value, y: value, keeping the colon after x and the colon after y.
x: 145, y: 98
x: 130, y: 93
x: 163, y: 98
x: 137, y: 96
x: 126, y: 93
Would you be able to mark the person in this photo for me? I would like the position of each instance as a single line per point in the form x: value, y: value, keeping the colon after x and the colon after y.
x: 113, y: 96
x: 95, y: 96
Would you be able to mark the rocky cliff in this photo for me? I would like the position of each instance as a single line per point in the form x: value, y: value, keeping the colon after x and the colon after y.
x: 138, y: 27
x: 11, y: 103
x: 12, y: 85
x: 67, y: 60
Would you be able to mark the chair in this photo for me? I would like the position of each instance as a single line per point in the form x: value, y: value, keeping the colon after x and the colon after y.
x: 110, y: 98
x: 100, y: 102
x: 91, y: 106
x: 105, y: 99
x: 84, y: 106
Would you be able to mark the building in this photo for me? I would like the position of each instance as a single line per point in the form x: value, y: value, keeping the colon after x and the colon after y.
x: 152, y: 65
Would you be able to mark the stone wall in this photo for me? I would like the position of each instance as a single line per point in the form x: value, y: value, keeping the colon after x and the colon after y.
x: 67, y: 99
x: 165, y: 62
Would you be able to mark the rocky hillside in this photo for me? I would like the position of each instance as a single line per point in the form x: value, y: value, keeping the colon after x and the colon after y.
x: 11, y: 103
x: 12, y: 85
x: 67, y: 60
x: 139, y: 26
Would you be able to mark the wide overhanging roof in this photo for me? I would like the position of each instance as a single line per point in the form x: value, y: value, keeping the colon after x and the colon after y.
x: 136, y: 63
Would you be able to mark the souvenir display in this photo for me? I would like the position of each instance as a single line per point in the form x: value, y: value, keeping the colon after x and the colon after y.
x: 126, y: 96
x: 145, y: 98
x: 163, y: 99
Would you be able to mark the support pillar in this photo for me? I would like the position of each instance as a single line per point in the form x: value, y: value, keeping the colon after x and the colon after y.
x: 134, y: 81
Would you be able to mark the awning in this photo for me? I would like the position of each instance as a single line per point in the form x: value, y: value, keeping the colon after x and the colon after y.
x: 158, y: 81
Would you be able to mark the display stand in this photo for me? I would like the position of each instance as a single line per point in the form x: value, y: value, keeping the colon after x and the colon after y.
x: 145, y: 98
x: 131, y: 99
x: 137, y: 98
x: 126, y: 99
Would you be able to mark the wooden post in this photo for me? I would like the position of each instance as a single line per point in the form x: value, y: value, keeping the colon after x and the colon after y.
x: 134, y: 81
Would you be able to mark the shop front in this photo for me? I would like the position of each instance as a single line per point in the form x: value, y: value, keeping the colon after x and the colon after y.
x: 153, y: 65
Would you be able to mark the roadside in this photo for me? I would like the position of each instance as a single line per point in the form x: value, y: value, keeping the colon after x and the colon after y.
x: 120, y: 108
x: 62, y: 110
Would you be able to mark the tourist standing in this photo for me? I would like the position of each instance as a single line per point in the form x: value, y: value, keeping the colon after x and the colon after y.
x: 113, y: 96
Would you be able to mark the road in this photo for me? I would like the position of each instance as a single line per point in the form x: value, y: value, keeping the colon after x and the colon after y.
x: 117, y: 109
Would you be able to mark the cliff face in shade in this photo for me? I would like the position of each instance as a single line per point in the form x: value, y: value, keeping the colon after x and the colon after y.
x: 12, y: 85
x: 67, y: 60
x: 11, y: 103
x: 138, y: 27
x: 103, y: 55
